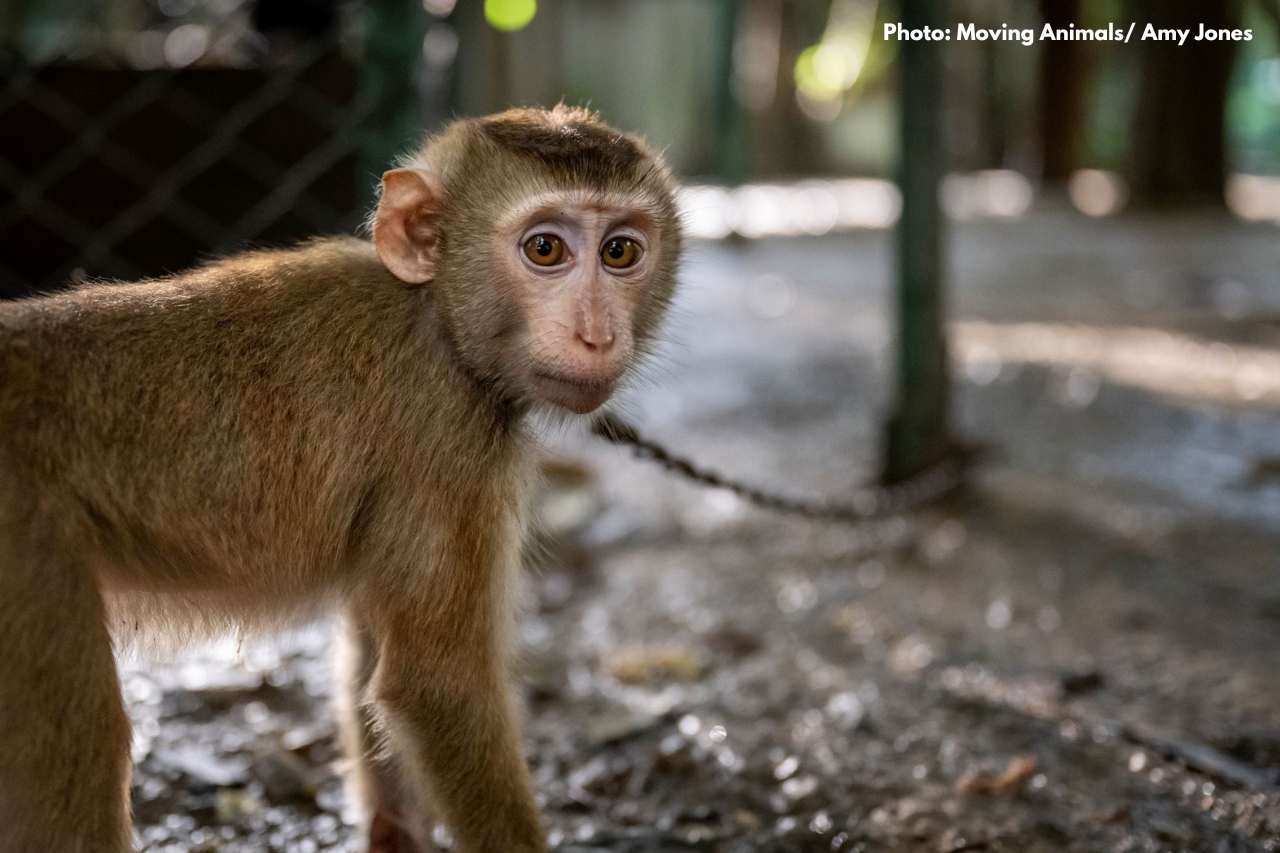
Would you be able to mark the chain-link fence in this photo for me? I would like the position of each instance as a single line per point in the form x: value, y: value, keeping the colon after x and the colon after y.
x: 139, y: 136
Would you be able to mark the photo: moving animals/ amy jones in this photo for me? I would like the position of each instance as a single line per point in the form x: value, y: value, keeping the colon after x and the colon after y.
x: 337, y: 424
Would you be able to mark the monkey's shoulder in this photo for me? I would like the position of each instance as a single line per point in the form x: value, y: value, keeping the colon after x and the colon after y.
x: 339, y: 254
x: 319, y: 261
x: 316, y: 265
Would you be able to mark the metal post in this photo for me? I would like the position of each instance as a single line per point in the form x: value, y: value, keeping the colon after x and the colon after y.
x: 917, y: 434
x: 730, y: 153
x: 389, y: 76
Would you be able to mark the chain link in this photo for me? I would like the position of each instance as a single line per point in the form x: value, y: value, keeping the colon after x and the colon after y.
x: 869, y: 503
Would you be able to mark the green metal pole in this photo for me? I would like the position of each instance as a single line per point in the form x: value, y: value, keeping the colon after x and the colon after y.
x: 730, y: 156
x: 917, y: 433
x: 389, y: 77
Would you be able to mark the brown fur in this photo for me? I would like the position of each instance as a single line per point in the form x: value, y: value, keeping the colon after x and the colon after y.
x: 272, y: 434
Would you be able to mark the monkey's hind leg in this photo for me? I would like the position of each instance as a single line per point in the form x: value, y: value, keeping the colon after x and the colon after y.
x: 64, y: 735
x: 376, y: 781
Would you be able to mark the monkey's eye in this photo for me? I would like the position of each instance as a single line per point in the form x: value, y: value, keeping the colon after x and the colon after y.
x: 620, y: 252
x: 545, y: 250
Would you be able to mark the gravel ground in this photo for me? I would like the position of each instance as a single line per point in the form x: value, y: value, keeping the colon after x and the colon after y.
x: 1076, y: 655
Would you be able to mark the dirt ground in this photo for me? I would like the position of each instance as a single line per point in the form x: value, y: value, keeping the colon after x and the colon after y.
x: 1079, y: 654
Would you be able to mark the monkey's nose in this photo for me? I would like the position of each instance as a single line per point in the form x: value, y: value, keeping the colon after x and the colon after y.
x: 595, y: 340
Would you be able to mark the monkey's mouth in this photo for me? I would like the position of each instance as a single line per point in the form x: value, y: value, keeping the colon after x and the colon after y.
x: 578, y: 394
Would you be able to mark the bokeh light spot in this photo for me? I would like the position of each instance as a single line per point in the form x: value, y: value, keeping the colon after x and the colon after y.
x: 1097, y: 193
x: 510, y: 15
x: 825, y: 71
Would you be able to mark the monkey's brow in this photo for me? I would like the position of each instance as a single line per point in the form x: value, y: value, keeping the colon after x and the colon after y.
x: 633, y: 209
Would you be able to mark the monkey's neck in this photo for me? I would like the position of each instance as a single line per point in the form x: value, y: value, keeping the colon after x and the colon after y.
x: 489, y: 391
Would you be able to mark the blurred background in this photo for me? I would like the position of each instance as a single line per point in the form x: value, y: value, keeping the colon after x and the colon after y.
x: 140, y: 136
x: 1067, y: 253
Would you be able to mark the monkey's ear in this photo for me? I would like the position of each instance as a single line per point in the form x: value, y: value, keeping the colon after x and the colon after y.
x: 406, y: 226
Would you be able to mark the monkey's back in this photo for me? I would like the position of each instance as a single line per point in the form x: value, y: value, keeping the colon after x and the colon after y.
x: 227, y: 423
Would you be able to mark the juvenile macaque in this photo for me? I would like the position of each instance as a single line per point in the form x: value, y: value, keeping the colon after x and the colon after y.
x: 338, y: 424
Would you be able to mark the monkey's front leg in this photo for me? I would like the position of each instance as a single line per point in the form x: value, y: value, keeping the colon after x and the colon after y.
x: 441, y: 684
x: 64, y: 735
x: 397, y: 817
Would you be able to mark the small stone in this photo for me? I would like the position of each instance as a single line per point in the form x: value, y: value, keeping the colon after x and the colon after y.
x: 204, y: 767
x: 653, y: 664
x: 284, y: 776
x: 618, y: 723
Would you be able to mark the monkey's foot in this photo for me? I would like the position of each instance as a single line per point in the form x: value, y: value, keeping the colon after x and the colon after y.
x: 387, y: 835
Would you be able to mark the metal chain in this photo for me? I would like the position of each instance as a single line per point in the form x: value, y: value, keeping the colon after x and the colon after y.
x: 868, y: 504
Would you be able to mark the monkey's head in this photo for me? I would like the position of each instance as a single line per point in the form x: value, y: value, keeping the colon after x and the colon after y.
x: 551, y: 240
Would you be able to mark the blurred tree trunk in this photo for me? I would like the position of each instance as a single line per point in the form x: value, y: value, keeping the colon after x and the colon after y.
x: 1178, y: 154
x: 1061, y: 94
x: 785, y: 140
x: 482, y: 70
x: 995, y: 108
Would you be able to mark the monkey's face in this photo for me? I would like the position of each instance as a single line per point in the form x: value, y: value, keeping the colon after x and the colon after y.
x: 552, y: 249
x: 555, y: 303
x: 579, y: 268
